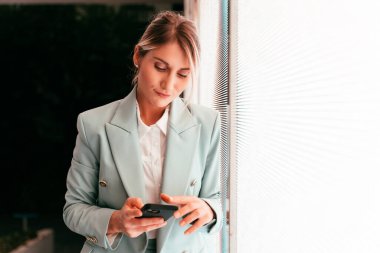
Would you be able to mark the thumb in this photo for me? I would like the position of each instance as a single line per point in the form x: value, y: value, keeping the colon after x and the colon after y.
x: 135, y: 202
x: 166, y: 198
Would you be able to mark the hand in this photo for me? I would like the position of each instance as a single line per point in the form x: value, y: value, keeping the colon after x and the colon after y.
x: 194, y: 208
x: 125, y: 220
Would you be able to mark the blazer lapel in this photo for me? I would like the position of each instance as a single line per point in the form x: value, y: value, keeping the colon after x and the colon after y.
x: 124, y: 142
x: 181, y: 144
x: 182, y: 140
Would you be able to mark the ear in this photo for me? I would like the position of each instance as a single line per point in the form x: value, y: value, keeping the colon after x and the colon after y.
x: 136, y: 56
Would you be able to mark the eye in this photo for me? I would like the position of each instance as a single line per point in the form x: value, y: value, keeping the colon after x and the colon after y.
x: 183, y: 74
x: 160, y: 66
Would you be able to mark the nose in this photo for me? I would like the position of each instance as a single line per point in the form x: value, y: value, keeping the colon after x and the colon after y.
x: 168, y: 82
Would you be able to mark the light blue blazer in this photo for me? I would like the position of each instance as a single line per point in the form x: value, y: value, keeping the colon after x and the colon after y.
x: 106, y: 169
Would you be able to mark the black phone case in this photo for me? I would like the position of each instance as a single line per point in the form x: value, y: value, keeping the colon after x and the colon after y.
x: 158, y: 210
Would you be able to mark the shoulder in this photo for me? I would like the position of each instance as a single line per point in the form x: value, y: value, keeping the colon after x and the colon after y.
x: 94, y: 120
x: 200, y: 110
x: 204, y: 115
x: 209, y: 119
x: 102, y: 113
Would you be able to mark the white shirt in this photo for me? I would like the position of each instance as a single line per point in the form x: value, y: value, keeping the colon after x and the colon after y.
x: 153, y: 147
x: 152, y: 141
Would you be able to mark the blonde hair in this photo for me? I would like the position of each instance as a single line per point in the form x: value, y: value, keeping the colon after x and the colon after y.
x: 166, y: 27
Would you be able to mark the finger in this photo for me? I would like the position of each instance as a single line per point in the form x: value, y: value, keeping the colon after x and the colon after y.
x: 189, y: 218
x: 190, y: 207
x: 166, y: 198
x: 136, y: 231
x: 179, y: 200
x: 133, y: 212
x: 135, y: 202
x: 152, y: 227
x: 195, y: 227
x: 143, y: 222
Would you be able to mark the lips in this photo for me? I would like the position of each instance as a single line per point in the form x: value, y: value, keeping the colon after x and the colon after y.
x: 161, y: 94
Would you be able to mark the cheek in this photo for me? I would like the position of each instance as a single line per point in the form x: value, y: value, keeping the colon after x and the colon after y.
x: 143, y: 77
x: 148, y: 77
x: 181, y: 85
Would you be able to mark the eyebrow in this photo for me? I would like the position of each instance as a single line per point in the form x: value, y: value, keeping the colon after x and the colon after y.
x: 157, y: 58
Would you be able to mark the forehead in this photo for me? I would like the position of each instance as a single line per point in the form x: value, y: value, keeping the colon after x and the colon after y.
x: 172, y: 54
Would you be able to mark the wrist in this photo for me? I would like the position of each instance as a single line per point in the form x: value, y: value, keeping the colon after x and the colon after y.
x: 113, y: 224
x: 213, y: 214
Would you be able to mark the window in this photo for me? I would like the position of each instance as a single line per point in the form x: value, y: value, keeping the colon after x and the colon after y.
x: 303, y: 128
x: 211, y: 90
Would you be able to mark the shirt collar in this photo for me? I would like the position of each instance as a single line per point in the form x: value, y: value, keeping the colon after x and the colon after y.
x: 162, y: 123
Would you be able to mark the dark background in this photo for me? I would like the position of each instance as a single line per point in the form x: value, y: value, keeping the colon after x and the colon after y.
x: 55, y: 62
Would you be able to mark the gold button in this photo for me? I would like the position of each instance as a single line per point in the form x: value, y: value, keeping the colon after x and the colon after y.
x: 193, y: 182
x: 94, y: 240
x: 103, y: 183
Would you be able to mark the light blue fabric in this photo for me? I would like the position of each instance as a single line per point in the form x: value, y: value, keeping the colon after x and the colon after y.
x: 107, y: 149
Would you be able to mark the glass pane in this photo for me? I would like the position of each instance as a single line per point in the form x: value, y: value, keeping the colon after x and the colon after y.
x: 306, y: 126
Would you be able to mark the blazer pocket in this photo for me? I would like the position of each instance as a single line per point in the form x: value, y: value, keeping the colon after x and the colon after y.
x: 194, y: 187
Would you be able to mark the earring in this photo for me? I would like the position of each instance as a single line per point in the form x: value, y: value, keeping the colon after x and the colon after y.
x: 137, y: 66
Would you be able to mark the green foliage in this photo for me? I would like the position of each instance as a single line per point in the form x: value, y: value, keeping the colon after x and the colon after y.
x: 13, y: 240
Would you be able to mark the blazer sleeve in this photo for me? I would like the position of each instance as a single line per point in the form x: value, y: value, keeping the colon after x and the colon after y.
x: 81, y: 213
x: 210, y: 191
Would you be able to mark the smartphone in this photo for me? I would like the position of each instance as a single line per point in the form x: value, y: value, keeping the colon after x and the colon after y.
x: 158, y: 210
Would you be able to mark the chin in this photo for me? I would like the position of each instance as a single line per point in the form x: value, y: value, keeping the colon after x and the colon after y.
x: 162, y: 104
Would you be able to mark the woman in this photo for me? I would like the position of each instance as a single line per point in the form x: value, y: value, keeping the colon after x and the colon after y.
x: 150, y: 147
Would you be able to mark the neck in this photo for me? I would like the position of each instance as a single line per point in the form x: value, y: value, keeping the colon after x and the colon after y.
x: 149, y: 114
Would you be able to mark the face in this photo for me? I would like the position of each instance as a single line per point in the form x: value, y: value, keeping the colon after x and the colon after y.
x: 163, y: 74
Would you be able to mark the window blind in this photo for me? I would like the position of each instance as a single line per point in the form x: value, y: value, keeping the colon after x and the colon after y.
x: 305, y: 126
